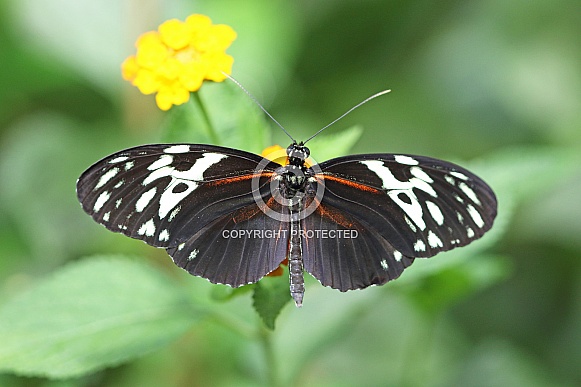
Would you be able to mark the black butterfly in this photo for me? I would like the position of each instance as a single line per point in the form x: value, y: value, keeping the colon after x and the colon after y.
x: 232, y: 217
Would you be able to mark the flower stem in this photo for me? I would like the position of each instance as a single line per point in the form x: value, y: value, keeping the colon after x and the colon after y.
x: 206, y: 117
x: 270, y: 357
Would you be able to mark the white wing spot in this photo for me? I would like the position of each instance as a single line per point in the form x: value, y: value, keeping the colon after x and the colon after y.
x: 190, y: 178
x: 147, y: 228
x: 174, y: 213
x: 459, y: 175
x: 164, y: 160
x: 421, y: 174
x: 101, y: 200
x: 433, y: 240
x: 410, y: 223
x: 144, y: 199
x: 420, y: 245
x: 164, y: 235
x: 106, y: 177
x: 435, y: 212
x: 106, y: 216
x: 177, y: 149
x: 469, y: 192
x: 450, y: 179
x: 475, y: 216
x: 460, y: 217
x: 397, y: 255
x: 390, y: 182
x: 412, y: 209
x: 469, y: 232
x: 181, y: 246
x: 402, y: 159
x: 170, y: 199
x: 119, y: 184
x: 129, y: 165
x: 118, y: 159
x: 384, y: 265
x: 193, y: 254
x: 458, y: 198
x: 118, y: 203
x: 195, y: 173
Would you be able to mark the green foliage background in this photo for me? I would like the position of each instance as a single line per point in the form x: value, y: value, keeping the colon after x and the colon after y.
x: 494, y: 85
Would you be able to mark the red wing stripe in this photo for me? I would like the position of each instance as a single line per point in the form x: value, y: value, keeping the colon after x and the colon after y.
x: 234, y: 179
x: 347, y: 182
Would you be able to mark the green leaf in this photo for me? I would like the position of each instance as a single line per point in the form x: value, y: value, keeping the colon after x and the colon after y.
x: 453, y: 283
x: 271, y: 294
x: 236, y: 121
x: 525, y: 172
x: 223, y: 293
x: 89, y: 315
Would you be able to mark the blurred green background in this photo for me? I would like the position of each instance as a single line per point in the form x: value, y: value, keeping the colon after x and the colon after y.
x: 494, y: 85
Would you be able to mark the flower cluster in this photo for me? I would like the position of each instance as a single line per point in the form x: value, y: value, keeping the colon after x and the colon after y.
x: 174, y: 60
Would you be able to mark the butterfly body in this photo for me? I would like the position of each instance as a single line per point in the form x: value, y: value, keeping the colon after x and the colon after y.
x: 232, y: 217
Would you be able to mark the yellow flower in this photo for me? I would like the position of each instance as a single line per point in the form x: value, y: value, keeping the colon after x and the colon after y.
x: 177, y: 58
x: 275, y: 153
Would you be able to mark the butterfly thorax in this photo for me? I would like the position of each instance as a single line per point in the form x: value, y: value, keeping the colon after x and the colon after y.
x: 295, y: 174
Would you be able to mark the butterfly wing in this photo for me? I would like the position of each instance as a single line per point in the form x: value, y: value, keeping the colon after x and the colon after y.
x: 403, y: 207
x: 342, y: 251
x: 182, y: 197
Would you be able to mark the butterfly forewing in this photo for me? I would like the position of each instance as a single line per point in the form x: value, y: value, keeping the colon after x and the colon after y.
x: 420, y: 205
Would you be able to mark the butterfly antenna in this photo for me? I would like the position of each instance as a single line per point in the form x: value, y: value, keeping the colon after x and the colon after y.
x: 348, y: 111
x: 259, y: 105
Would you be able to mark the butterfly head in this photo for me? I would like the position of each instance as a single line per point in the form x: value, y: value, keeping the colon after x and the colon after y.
x: 297, y: 153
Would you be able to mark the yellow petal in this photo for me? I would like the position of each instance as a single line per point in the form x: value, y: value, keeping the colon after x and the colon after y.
x: 175, y: 34
x: 151, y: 37
x: 198, y: 22
x: 163, y: 101
x: 218, y: 63
x: 193, y: 75
x: 180, y: 95
x: 221, y: 37
x: 147, y: 81
x: 215, y: 38
x: 171, y: 68
x: 129, y: 68
x: 171, y: 93
x: 151, y: 53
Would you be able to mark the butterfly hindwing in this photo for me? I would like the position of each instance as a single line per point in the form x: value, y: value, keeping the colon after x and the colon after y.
x: 237, y: 248
x: 344, y: 253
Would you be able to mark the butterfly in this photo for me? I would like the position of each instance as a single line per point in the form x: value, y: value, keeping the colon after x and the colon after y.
x: 232, y: 216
